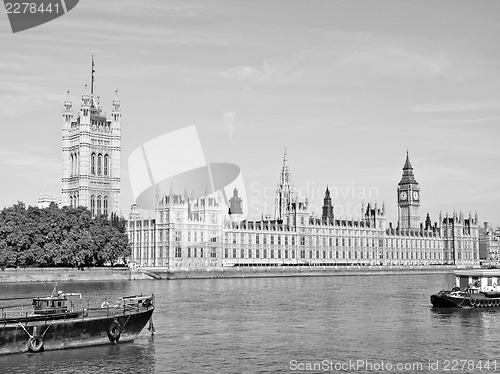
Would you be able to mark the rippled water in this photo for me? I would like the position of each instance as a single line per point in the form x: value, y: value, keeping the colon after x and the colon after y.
x: 281, y: 324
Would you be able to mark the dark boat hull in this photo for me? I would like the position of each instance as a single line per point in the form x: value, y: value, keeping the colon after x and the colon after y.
x: 35, y: 336
x: 445, y: 299
x: 442, y: 300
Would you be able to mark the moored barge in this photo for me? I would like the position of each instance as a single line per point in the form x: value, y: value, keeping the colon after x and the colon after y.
x: 474, y: 288
x: 53, y: 322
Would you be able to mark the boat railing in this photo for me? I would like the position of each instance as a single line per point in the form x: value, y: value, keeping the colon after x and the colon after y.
x: 128, y: 304
x: 125, y: 305
x: 16, y: 311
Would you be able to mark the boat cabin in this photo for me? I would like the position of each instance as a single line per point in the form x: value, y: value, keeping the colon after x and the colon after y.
x: 478, y: 280
x: 50, y: 305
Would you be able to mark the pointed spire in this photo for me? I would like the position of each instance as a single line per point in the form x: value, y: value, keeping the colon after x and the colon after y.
x: 407, y: 165
x: 408, y: 177
x: 284, y: 158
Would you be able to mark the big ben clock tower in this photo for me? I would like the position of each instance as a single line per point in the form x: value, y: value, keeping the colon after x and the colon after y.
x: 408, y: 198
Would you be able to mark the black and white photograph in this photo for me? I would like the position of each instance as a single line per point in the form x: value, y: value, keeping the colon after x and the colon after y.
x: 236, y: 186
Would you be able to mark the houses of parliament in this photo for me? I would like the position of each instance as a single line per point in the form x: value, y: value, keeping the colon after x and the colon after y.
x: 198, y: 233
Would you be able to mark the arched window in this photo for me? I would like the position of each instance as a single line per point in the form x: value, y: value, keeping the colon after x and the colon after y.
x: 76, y: 163
x: 105, y: 206
x: 92, y: 164
x: 99, y: 205
x: 72, y: 165
x: 92, y: 205
x: 99, y: 164
x: 106, y: 165
x: 71, y: 201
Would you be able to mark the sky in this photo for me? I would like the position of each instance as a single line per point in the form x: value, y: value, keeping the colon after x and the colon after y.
x: 348, y: 87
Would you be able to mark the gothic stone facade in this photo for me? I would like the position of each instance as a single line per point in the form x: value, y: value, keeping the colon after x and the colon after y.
x: 196, y: 234
x: 489, y: 244
x: 91, y: 155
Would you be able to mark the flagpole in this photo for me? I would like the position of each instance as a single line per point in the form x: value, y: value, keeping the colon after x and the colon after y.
x: 93, y: 71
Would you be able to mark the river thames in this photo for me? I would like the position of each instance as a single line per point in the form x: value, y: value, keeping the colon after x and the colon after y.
x: 372, y: 323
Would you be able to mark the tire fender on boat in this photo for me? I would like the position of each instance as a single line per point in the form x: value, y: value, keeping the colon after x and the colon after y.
x: 114, y: 332
x: 472, y: 302
x: 35, y: 344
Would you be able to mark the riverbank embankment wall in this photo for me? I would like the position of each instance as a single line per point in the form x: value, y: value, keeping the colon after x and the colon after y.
x: 287, y: 271
x: 63, y: 274
x: 119, y: 274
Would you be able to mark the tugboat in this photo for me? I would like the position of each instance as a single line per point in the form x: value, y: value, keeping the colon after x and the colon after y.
x: 474, y: 288
x: 52, y: 322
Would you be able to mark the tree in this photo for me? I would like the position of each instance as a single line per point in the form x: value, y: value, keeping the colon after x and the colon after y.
x: 60, y: 237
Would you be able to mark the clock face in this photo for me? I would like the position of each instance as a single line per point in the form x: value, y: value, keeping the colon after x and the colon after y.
x: 415, y: 195
x: 403, y: 195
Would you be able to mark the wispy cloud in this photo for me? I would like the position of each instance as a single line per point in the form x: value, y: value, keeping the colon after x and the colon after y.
x: 396, y: 61
x: 457, y: 121
x: 283, y: 69
x: 250, y: 73
x: 21, y: 97
x: 30, y: 159
x: 458, y: 106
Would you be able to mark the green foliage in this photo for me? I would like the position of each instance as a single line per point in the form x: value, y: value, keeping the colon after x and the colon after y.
x: 30, y: 236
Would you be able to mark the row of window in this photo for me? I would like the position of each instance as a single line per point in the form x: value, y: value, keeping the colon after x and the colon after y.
x: 311, y: 254
x: 240, y: 253
x: 73, y: 201
x: 99, y: 205
x: 178, y: 236
x: 99, y: 164
x: 331, y: 241
x: 196, y: 252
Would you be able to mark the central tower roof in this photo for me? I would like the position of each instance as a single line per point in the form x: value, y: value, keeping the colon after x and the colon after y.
x: 408, y: 177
